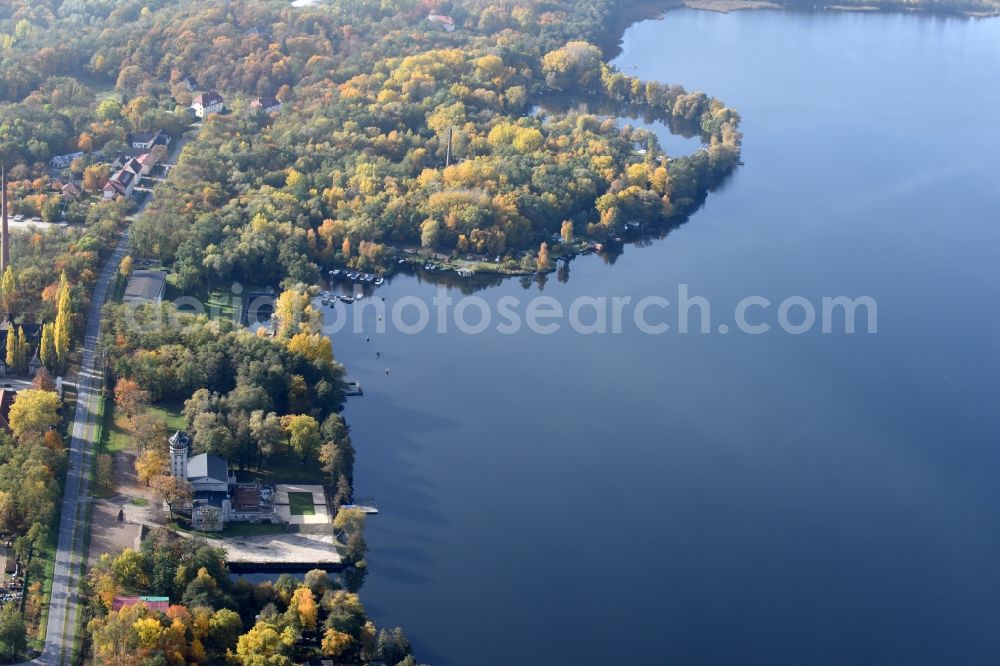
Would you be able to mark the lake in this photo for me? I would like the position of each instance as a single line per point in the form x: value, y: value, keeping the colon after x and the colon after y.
x: 570, y: 499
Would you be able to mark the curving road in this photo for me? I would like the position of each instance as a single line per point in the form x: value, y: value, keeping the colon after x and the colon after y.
x: 63, y: 605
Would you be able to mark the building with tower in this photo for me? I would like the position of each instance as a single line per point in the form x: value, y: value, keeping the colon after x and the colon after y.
x: 217, y: 497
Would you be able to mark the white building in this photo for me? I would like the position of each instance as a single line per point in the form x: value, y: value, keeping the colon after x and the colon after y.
x: 146, y: 140
x: 207, y: 103
x: 269, y: 104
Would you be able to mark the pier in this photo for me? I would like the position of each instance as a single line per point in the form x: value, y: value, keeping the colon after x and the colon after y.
x: 364, y: 505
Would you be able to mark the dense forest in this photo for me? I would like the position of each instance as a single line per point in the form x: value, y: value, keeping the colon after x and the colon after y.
x: 289, y: 621
x: 247, y: 397
x: 355, y: 164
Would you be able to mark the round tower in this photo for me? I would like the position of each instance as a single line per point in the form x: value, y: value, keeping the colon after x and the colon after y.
x: 179, y: 445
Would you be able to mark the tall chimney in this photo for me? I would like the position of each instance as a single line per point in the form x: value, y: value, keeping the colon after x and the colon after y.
x: 447, y: 156
x: 4, y: 231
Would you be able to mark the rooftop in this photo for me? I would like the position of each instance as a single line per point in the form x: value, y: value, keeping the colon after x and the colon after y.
x: 145, y: 287
x: 208, y: 466
x: 153, y: 603
x: 207, y: 98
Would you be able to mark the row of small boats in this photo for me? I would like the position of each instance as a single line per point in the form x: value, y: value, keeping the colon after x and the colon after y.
x: 331, y: 299
x: 356, y: 276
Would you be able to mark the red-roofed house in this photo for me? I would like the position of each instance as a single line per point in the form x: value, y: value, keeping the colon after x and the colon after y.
x: 446, y: 22
x: 123, y: 181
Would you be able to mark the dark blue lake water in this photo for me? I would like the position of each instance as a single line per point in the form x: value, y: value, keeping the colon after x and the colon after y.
x: 572, y: 499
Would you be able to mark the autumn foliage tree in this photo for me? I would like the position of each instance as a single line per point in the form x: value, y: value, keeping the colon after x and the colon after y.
x: 130, y: 397
x: 63, y: 331
x: 33, y: 413
x: 150, y: 464
x: 543, y: 263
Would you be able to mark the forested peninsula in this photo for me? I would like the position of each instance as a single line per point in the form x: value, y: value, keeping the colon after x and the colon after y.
x: 355, y: 165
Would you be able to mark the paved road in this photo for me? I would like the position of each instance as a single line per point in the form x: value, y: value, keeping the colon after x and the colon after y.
x: 64, y: 602
x: 65, y: 582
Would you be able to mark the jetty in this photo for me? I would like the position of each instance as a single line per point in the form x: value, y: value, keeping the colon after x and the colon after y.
x: 363, y: 505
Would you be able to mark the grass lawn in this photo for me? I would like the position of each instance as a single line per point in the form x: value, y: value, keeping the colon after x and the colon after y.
x: 219, y: 303
x: 301, y: 504
x: 170, y: 414
x: 114, y: 432
x: 36, y: 640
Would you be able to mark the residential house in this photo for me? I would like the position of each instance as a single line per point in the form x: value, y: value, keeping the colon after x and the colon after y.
x: 35, y: 364
x: 207, y: 103
x: 33, y: 335
x: 122, y: 182
x: 145, y: 141
x: 444, y: 21
x: 266, y: 104
x: 70, y: 190
x: 146, y: 163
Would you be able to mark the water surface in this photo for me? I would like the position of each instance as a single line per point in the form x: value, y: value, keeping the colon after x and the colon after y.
x: 728, y: 499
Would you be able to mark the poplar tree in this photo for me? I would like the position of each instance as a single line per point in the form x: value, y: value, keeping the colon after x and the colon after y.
x: 22, y: 350
x: 63, y: 324
x: 47, y: 347
x: 11, y: 356
x: 8, y: 287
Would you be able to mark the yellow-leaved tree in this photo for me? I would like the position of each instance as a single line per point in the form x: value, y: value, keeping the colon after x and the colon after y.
x: 295, y: 313
x: 264, y: 646
x: 313, y: 346
x: 64, y: 323
x: 33, y: 413
x: 303, y: 604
